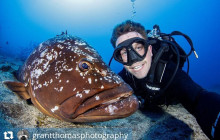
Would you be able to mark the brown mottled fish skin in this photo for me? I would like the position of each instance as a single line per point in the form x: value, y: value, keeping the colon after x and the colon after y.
x: 67, y: 79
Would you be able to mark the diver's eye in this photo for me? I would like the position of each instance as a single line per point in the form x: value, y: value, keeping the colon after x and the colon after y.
x: 84, y: 66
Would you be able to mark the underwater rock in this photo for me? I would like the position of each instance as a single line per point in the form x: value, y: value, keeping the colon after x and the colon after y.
x: 6, y: 68
x: 173, y: 122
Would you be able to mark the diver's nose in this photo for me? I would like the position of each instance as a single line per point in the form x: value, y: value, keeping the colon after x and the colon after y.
x: 132, y: 57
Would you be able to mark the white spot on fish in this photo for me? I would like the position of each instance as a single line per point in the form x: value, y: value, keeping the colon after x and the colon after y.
x: 39, y: 86
x: 80, y: 42
x: 67, y: 81
x: 111, y: 109
x: 43, y: 53
x: 90, y: 58
x: 90, y: 80
x: 40, y: 46
x: 45, y: 84
x: 102, y: 87
x: 55, y: 108
x: 81, y: 74
x: 87, y: 91
x: 59, y: 89
x: 97, y: 97
x: 36, y: 73
x: 60, y: 46
x: 55, y: 54
x: 104, y: 73
x: 74, y: 89
x: 79, y: 95
x: 35, y: 87
x: 46, y: 65
x: 58, y: 74
x: 77, y: 69
x: 49, y: 56
x: 34, y: 94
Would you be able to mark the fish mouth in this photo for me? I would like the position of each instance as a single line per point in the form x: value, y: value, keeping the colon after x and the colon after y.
x: 117, y: 102
x: 104, y: 112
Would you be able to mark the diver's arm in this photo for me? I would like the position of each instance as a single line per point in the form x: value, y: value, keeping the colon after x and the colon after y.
x: 204, y: 105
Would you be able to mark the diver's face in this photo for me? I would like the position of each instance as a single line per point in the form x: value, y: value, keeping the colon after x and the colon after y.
x: 141, y: 68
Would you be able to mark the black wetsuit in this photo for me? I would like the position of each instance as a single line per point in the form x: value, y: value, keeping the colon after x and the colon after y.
x: 204, y: 105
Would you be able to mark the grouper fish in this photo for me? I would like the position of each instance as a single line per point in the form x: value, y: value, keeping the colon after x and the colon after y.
x: 65, y: 78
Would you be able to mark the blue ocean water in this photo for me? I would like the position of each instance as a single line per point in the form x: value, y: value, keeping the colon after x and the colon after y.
x: 26, y: 23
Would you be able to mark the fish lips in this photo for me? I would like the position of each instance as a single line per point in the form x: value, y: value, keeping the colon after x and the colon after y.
x: 120, y: 109
x: 117, y: 102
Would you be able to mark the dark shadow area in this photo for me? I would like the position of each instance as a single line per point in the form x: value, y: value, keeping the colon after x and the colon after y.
x: 165, y: 126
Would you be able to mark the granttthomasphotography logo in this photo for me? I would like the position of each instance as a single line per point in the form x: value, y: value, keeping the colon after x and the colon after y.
x: 65, y: 134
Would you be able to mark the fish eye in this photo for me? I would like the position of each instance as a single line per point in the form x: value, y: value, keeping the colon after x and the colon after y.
x: 84, y: 66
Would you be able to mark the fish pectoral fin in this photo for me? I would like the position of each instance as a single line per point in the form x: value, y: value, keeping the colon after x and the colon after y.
x: 18, y: 88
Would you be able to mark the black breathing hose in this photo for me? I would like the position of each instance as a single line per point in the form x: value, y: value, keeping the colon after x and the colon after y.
x: 177, y: 65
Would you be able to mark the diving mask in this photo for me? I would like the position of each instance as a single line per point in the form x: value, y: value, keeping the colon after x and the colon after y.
x: 131, y: 51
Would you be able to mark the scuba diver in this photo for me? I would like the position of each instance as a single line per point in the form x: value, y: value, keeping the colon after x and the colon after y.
x: 153, y: 64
